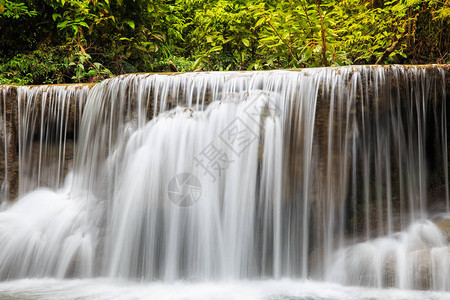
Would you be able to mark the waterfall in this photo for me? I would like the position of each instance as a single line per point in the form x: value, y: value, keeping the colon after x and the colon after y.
x: 51, y: 113
x: 336, y: 174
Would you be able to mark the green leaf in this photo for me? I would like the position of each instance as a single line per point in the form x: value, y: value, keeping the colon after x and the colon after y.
x: 83, y: 24
x: 197, y: 62
x: 62, y: 24
x: 246, y: 42
x: 130, y: 23
x: 260, y: 21
x: 215, y: 49
x: 92, y: 72
x: 140, y: 48
x: 56, y: 16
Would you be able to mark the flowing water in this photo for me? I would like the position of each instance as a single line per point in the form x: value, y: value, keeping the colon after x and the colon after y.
x: 230, y: 180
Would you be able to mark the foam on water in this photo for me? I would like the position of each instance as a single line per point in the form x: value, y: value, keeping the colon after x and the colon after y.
x: 101, y: 288
x: 416, y: 258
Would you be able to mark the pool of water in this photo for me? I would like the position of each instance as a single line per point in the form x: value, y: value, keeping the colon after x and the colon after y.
x: 49, y: 289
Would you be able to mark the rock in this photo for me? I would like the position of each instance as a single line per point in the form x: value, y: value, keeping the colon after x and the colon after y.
x: 444, y: 225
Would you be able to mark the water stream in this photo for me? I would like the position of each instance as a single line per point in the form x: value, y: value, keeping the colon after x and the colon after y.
x: 335, y: 174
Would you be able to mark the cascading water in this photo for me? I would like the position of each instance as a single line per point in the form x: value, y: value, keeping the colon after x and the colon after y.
x: 38, y: 129
x: 45, y: 112
x: 322, y: 173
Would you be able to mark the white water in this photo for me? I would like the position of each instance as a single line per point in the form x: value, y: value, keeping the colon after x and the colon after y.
x: 297, y: 173
x: 43, y: 127
x: 416, y: 258
x: 103, y: 288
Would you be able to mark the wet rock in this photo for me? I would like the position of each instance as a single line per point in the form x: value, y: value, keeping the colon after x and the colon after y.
x: 444, y: 226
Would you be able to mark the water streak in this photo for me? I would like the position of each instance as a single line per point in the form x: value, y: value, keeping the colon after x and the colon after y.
x: 274, y: 174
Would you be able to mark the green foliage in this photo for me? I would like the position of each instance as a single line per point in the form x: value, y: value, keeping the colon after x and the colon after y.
x: 220, y: 34
x: 84, y: 68
x: 52, y: 41
x: 182, y: 64
x: 50, y: 66
x: 10, y: 9
x: 34, y: 68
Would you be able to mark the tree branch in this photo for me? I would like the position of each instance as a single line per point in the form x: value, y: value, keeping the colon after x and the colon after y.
x: 324, y: 45
x: 293, y: 53
x: 391, y: 49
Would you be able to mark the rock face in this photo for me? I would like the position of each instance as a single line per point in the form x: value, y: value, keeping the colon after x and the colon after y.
x: 444, y: 226
x: 9, y: 173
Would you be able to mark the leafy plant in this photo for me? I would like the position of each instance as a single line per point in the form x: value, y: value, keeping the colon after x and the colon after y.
x: 50, y: 41
x: 15, y: 10
x: 85, y: 69
x: 35, y: 68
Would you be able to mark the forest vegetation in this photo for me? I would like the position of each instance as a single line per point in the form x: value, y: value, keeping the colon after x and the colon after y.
x: 65, y: 41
